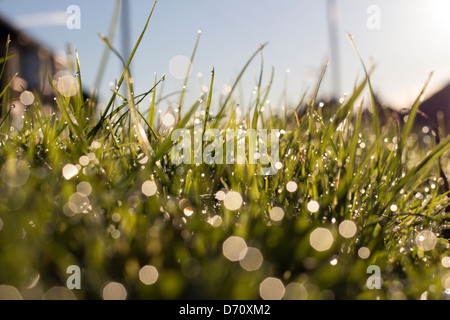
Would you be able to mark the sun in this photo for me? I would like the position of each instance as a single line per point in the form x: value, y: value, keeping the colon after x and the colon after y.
x: 438, y: 12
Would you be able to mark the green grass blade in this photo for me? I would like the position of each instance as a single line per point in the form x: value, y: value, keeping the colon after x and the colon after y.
x: 183, y: 91
x: 208, y: 102
x: 105, y: 55
x: 376, y: 122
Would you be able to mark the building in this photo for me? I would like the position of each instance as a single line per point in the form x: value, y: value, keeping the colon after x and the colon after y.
x: 434, y: 112
x: 32, y: 62
x: 437, y: 109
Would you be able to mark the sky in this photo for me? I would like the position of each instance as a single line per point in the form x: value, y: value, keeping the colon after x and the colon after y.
x: 405, y: 39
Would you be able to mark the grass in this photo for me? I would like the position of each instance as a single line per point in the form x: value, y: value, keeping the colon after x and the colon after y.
x: 75, y: 192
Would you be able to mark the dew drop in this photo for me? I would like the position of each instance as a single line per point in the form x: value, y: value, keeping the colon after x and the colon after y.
x: 148, y: 275
x: 291, y: 186
x: 149, y: 188
x: 276, y: 214
x: 233, y: 201
x: 233, y: 248
x: 69, y: 171
x: 321, y: 239
x: 426, y: 240
x: 347, y: 229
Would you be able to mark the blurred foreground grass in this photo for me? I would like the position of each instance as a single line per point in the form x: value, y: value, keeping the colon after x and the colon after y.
x: 101, y: 192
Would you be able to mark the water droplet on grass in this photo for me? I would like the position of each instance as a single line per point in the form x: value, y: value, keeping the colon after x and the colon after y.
x: 426, y: 240
x: 233, y: 248
x: 321, y: 239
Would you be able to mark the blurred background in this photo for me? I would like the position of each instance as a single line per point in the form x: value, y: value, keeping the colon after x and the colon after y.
x: 405, y: 39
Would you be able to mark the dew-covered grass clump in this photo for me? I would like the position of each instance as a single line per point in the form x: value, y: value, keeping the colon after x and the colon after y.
x: 355, y: 208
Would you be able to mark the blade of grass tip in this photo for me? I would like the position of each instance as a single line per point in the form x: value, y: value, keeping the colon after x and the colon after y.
x: 354, y: 142
x: 266, y: 94
x: 183, y: 91
x: 319, y: 83
x: 5, y: 89
x: 256, y: 112
x: 4, y: 59
x: 150, y: 129
x: 225, y: 103
x: 69, y: 51
x: 64, y: 104
x: 105, y: 55
x: 372, y: 96
x: 436, y: 126
x: 285, y: 87
x: 112, y: 49
x: 116, y: 144
x: 433, y: 155
x: 412, y: 114
x: 142, y: 96
x: 5, y: 117
x: 80, y: 89
x: 8, y: 41
x: 94, y: 130
x: 342, y: 113
x: 208, y: 103
x: 269, y: 86
x: 300, y: 103
x: 297, y: 119
x: 311, y: 123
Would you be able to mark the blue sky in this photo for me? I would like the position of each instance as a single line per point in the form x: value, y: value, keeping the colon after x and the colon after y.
x: 412, y: 41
